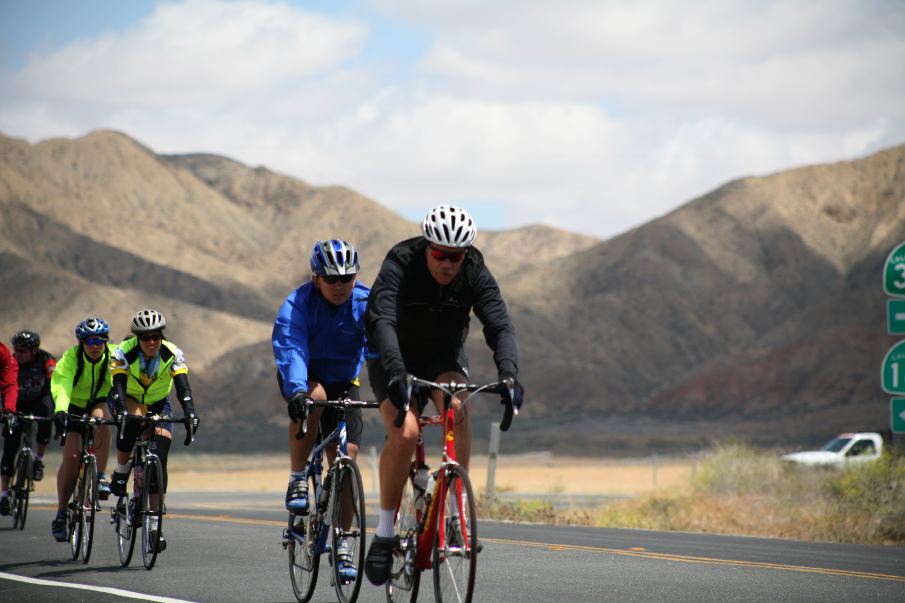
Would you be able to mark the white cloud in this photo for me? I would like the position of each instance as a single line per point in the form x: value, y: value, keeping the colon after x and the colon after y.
x: 594, y: 116
x: 197, y: 52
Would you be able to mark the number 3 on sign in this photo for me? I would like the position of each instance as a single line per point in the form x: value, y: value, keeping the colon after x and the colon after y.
x: 899, y: 284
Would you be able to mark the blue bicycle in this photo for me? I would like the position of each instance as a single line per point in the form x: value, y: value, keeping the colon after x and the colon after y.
x: 335, y: 525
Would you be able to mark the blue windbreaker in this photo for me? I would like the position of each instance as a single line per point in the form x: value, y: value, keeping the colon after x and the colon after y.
x: 313, y: 337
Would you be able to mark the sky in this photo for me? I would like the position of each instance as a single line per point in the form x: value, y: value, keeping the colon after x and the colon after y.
x: 592, y: 116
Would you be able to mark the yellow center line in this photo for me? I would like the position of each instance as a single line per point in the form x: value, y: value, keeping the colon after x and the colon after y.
x: 633, y: 552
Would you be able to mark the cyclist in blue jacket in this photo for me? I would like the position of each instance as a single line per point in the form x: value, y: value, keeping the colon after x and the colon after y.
x: 318, y: 345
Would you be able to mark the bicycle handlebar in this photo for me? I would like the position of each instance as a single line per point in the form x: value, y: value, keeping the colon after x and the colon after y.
x: 188, y: 421
x: 86, y: 420
x: 341, y: 403
x: 497, y: 387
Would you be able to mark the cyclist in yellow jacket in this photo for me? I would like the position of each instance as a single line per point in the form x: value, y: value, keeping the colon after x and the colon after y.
x: 145, y: 368
x: 79, y: 386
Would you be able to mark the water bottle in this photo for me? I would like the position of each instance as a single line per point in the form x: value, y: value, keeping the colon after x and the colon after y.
x: 324, y: 497
x: 137, y: 479
x: 429, y: 490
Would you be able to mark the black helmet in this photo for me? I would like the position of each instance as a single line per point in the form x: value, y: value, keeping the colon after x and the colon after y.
x: 26, y: 339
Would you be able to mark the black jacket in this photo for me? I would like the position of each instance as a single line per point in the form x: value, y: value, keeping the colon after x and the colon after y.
x: 410, y: 315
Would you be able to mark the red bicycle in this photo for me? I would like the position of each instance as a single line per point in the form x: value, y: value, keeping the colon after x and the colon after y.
x: 436, y: 523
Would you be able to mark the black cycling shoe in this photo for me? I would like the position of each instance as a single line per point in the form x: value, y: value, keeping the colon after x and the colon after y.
x: 118, y: 483
x: 60, y: 528
x: 4, y: 505
x: 161, y: 542
x: 37, y: 470
x: 380, y: 559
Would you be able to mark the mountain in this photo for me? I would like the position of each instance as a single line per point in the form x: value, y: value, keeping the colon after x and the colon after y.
x: 755, y: 311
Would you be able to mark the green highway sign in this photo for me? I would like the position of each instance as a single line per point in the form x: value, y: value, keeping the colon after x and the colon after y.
x: 893, y: 373
x: 895, y: 316
x: 894, y: 272
x: 897, y: 408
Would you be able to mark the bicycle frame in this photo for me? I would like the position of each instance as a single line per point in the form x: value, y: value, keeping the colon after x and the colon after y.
x: 435, y: 515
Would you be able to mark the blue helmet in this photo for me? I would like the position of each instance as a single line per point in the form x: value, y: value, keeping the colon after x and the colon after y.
x: 333, y: 256
x: 92, y: 325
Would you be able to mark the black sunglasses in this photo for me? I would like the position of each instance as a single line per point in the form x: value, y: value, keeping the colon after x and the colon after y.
x: 453, y: 256
x: 150, y: 337
x: 332, y: 279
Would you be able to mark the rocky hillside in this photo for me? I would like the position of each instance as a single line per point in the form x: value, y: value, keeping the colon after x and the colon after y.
x: 754, y: 311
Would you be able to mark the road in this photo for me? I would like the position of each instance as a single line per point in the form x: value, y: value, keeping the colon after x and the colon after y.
x: 226, y: 547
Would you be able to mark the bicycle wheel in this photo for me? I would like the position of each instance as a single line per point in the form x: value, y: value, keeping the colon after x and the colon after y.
x: 402, y: 587
x: 21, y: 481
x: 74, y: 512
x: 125, y: 523
x: 348, y: 530
x: 88, y: 503
x: 454, y: 556
x: 150, y: 537
x: 304, y: 556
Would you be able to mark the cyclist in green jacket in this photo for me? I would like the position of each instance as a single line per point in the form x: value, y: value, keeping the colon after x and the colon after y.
x: 79, y: 386
x: 145, y: 368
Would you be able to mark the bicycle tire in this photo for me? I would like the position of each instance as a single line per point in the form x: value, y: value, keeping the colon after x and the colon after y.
x: 405, y: 577
x: 74, y: 516
x: 125, y: 525
x: 150, y: 542
x: 347, y: 495
x: 21, y: 490
x: 304, y: 556
x: 88, y: 507
x: 454, y: 556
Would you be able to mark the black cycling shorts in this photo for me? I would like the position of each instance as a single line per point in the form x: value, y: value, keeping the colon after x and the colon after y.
x: 76, y: 411
x: 329, y: 417
x: 426, y: 366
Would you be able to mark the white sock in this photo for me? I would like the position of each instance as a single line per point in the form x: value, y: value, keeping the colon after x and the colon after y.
x: 386, y: 521
x: 294, y: 475
x: 123, y: 468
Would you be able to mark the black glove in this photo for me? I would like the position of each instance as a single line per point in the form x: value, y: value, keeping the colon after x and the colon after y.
x: 10, y: 420
x: 513, y: 391
x: 188, y: 409
x: 60, y: 420
x: 298, y: 406
x: 399, y: 390
x: 117, y: 396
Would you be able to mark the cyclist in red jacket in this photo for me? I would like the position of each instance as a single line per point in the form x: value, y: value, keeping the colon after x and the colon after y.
x: 9, y: 392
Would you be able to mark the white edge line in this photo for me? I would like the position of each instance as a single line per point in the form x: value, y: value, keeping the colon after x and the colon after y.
x: 99, y: 589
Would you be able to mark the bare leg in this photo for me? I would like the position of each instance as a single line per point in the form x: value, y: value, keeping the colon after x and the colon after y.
x: 69, y: 468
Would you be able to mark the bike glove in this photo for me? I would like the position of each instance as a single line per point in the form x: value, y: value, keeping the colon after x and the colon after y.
x: 298, y: 406
x: 399, y: 390
x: 513, y: 391
x: 60, y: 420
x: 188, y: 409
x: 10, y: 420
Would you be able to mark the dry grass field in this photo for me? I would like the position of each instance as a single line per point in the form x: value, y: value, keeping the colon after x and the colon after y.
x: 521, y: 474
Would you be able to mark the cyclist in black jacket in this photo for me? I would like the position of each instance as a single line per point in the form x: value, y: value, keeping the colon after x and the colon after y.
x: 417, y: 322
x: 35, y: 368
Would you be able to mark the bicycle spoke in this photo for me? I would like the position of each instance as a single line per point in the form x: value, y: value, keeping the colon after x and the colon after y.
x: 152, y: 520
x: 348, y: 529
x: 405, y: 577
x: 454, y: 558
x: 304, y: 558
x: 88, y: 504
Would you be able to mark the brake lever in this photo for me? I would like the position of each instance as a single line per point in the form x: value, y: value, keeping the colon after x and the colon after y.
x: 303, y: 424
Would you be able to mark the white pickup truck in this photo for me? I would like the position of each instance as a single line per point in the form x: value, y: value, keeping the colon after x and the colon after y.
x: 844, y: 449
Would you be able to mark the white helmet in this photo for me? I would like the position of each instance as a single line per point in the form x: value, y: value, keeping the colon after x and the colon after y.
x: 449, y: 226
x: 148, y: 321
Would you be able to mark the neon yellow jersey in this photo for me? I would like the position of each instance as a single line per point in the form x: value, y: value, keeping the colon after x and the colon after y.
x: 77, y: 379
x: 144, y: 387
